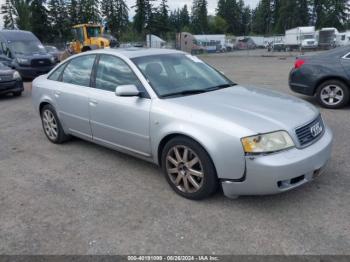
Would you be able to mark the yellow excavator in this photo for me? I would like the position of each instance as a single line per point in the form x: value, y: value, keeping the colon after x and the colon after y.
x: 89, y: 37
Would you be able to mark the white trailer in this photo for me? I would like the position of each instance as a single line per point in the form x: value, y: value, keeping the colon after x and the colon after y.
x: 327, y: 37
x: 301, y: 38
x: 343, y: 38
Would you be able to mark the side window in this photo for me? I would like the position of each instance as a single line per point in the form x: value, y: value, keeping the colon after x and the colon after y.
x: 57, y: 73
x: 78, y: 71
x: 112, y: 72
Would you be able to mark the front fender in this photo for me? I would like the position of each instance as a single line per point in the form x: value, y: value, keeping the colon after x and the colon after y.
x: 225, y: 151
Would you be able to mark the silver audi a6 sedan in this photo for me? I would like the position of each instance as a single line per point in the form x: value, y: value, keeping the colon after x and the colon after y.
x: 172, y: 109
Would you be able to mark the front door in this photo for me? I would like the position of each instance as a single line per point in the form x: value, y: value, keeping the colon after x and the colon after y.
x: 120, y: 122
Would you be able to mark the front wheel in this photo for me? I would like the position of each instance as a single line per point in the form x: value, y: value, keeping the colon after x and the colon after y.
x: 333, y: 94
x: 188, y: 169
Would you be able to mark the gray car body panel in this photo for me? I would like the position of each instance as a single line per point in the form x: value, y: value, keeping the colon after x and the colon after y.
x: 319, y: 68
x: 217, y: 120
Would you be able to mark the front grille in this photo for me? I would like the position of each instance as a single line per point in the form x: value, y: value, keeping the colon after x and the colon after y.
x: 310, y: 132
x: 40, y: 62
x: 6, y: 78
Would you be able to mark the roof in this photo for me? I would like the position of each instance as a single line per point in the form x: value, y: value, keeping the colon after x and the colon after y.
x: 15, y: 35
x: 138, y: 52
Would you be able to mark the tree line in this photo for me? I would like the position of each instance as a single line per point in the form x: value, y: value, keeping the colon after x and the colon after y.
x: 51, y: 20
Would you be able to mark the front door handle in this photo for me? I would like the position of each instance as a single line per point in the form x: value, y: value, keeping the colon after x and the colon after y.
x: 57, y: 94
x: 93, y: 102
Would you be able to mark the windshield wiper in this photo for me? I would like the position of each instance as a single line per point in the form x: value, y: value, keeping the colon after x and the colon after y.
x: 186, y: 92
x: 218, y: 87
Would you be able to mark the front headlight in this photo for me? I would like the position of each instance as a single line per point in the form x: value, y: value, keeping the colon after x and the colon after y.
x: 52, y: 59
x: 16, y: 75
x: 267, y: 143
x: 23, y: 61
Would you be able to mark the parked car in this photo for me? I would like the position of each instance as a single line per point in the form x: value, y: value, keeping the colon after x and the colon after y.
x: 52, y: 50
x: 10, y: 81
x: 326, y: 76
x: 276, y: 47
x: 172, y: 109
x: 25, y: 53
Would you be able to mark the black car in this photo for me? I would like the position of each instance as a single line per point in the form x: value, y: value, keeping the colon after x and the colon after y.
x: 325, y: 75
x: 22, y: 51
x: 52, y: 50
x: 10, y: 81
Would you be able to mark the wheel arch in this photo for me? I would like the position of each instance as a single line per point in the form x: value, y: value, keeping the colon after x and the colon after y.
x: 42, y: 104
x: 170, y: 136
x: 329, y: 78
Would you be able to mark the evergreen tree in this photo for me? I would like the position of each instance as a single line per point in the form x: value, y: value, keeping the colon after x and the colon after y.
x: 246, y: 20
x: 58, y: 18
x: 228, y: 10
x: 8, y: 12
x: 199, y: 16
x: 184, y: 17
x: 263, y: 17
x: 73, y: 12
x: 22, y: 14
x: 143, y: 19
x: 116, y: 16
x: 39, y: 19
x: 292, y: 13
x: 161, y: 19
x: 330, y: 13
x: 89, y: 11
x: 175, y: 21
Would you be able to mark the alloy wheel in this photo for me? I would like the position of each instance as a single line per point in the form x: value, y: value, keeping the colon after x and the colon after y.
x: 332, y: 95
x: 50, y: 124
x: 185, y: 169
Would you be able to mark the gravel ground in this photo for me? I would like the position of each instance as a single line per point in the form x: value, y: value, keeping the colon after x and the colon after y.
x: 80, y: 198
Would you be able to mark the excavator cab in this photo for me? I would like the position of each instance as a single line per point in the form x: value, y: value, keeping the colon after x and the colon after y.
x: 88, y: 37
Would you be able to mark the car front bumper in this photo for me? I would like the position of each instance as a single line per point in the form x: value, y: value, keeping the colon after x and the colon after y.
x: 33, y: 72
x: 11, y: 86
x: 281, y: 172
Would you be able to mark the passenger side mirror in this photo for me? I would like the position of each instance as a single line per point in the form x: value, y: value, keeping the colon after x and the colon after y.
x: 127, y: 91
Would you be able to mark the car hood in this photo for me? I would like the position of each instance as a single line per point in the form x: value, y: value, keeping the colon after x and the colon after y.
x: 255, y: 109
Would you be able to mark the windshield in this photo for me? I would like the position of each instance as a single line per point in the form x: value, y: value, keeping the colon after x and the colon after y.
x: 179, y: 74
x: 51, y: 49
x: 27, y: 47
x: 93, y: 31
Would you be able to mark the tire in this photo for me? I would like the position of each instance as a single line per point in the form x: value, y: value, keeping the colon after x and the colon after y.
x: 192, y: 179
x: 17, y: 93
x: 52, y: 129
x: 333, y: 94
x: 86, y: 49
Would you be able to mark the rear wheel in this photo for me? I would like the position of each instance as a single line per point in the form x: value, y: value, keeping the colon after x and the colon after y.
x: 189, y: 169
x: 52, y: 126
x: 333, y: 94
x: 17, y: 93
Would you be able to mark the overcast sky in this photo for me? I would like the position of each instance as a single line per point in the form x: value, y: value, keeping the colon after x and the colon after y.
x: 173, y: 4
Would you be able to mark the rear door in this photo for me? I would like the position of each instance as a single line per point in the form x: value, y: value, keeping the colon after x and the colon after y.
x: 72, y: 95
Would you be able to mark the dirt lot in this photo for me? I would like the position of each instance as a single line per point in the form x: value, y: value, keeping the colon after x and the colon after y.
x: 80, y: 198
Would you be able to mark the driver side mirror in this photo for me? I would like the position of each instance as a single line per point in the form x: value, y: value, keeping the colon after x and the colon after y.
x: 127, y: 91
